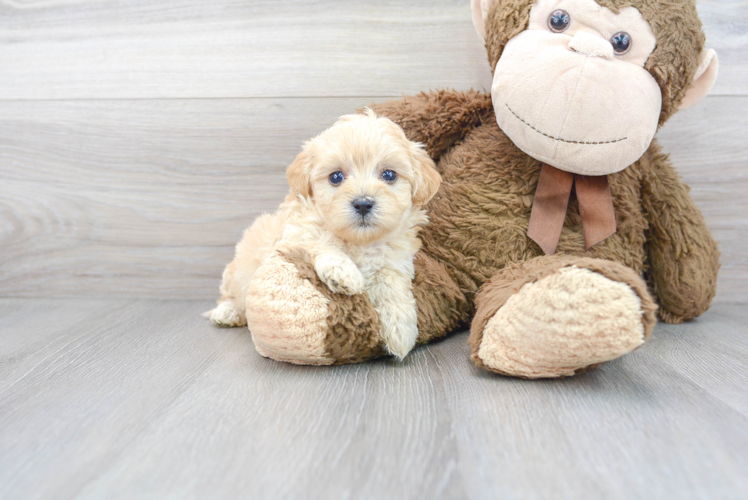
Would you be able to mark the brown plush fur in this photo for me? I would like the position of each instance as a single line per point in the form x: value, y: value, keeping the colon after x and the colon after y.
x: 479, y: 217
x: 683, y: 256
x: 675, y: 23
x: 353, y: 325
x: 442, y: 305
x: 479, y: 220
x: 476, y: 252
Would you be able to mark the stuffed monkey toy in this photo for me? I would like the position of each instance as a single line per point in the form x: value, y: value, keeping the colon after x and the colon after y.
x: 560, y: 225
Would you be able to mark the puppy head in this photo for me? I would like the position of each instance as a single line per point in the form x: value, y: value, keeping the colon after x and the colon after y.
x: 365, y: 176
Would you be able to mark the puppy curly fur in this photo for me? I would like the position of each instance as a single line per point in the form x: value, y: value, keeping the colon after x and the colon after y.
x: 351, y: 252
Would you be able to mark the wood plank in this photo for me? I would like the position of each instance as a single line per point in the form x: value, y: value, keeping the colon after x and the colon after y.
x: 155, y: 402
x: 76, y: 398
x: 57, y: 324
x: 141, y: 198
x: 147, y: 198
x: 180, y: 48
x: 726, y: 29
x: 58, y: 49
x: 632, y: 429
x: 711, y: 352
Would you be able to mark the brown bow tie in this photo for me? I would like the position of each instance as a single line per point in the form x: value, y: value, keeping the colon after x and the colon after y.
x: 552, y: 198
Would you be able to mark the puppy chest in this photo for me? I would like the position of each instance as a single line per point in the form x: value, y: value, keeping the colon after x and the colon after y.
x: 369, y: 259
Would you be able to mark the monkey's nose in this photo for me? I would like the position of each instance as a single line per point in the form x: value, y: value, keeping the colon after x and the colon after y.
x: 591, y: 45
x: 363, y: 205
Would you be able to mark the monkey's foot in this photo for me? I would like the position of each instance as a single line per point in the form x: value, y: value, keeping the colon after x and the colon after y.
x: 567, y: 321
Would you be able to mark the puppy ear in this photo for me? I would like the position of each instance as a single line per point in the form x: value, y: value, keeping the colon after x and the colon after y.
x: 427, y: 178
x: 299, y: 175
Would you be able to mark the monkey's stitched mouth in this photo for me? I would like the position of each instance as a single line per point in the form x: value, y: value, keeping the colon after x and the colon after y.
x: 559, y: 138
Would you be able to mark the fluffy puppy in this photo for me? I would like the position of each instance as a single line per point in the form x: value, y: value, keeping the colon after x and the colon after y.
x: 353, y: 212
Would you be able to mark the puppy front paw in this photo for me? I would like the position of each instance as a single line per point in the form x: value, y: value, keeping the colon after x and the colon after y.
x: 340, y: 274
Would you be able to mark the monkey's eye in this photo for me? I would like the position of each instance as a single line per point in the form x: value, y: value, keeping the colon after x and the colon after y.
x: 389, y: 176
x: 621, y: 42
x: 559, y: 21
x: 336, y: 178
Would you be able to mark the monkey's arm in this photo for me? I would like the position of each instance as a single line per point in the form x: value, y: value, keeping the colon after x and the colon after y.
x: 438, y: 118
x: 683, y: 256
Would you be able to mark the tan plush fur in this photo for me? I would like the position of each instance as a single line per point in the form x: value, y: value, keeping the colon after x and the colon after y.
x: 289, y: 325
x: 559, y: 310
x: 351, y: 252
x: 554, y: 93
x: 353, y: 325
x: 564, y: 341
x: 477, y: 259
x: 513, y: 279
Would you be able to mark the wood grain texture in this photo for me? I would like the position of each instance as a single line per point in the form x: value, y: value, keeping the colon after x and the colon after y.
x: 146, y: 198
x: 58, y: 49
x: 227, y: 48
x: 106, y: 399
x: 141, y: 198
x: 726, y: 29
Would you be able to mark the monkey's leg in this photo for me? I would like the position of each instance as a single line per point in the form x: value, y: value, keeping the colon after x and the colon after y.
x: 294, y: 317
x: 555, y: 316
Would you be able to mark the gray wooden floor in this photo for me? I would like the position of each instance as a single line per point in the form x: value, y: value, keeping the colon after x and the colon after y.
x: 116, y: 399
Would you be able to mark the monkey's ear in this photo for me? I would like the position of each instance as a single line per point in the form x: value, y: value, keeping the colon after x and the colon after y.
x: 703, y: 80
x: 427, y: 179
x: 299, y: 175
x: 480, y: 13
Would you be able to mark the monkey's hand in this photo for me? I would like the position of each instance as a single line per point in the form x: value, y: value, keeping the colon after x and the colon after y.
x: 683, y: 256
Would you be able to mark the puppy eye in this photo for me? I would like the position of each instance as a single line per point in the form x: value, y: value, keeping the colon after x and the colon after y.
x: 389, y: 176
x: 336, y: 178
x: 559, y: 21
x: 621, y: 42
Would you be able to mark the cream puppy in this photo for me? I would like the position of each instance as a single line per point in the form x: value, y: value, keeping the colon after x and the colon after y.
x: 353, y: 212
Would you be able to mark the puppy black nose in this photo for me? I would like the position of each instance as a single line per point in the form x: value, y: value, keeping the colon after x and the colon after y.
x: 363, y: 205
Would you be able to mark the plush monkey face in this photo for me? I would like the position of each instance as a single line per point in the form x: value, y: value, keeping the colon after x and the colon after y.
x: 564, y: 95
x: 582, y: 86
